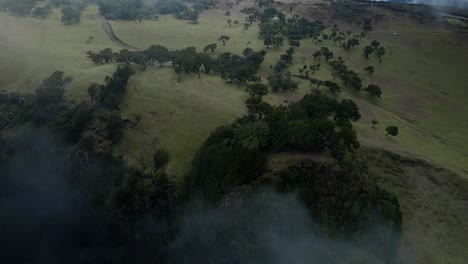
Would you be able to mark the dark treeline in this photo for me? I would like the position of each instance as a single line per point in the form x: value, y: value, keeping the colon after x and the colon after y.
x: 232, y: 68
x: 139, y: 9
x: 85, y: 204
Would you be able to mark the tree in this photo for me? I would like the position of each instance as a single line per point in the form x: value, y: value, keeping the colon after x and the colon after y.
x: 282, y: 81
x: 210, y: 47
x: 367, y: 26
x: 294, y: 43
x: 374, y: 122
x: 368, y: 50
x: 42, y: 12
x: 70, y: 15
x: 380, y: 52
x: 257, y: 107
x: 317, y: 55
x: 223, y: 39
x: 93, y: 90
x: 246, y: 26
x: 334, y: 87
x: 373, y: 90
x: 370, y: 70
x: 257, y: 89
x: 229, y: 21
x: 326, y: 53
x: 391, y: 130
x: 375, y: 44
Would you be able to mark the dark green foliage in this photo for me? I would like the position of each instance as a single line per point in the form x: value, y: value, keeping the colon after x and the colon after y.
x: 241, y: 69
x: 367, y: 25
x: 257, y: 89
x: 70, y: 15
x: 231, y: 156
x: 157, y: 53
x: 326, y: 53
x: 74, y: 121
x: 19, y: 7
x: 257, y: 108
x: 42, y: 12
x: 349, y: 77
x: 125, y: 9
x: 187, y: 14
x: 235, y: 155
x: 50, y: 92
x: 160, y: 159
x: 373, y: 90
x: 334, y: 87
x: 368, y: 50
x: 224, y: 39
x: 210, y: 47
x: 294, y: 43
x: 370, y: 70
x: 282, y: 81
x: 169, y: 6
x: 110, y: 95
x: 379, y: 52
x: 350, y: 43
x: 392, y: 131
x: 16, y: 109
x: 104, y: 56
x: 342, y: 198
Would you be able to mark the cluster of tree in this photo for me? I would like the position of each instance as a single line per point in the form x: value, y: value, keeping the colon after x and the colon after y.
x: 139, y: 9
x: 187, y: 14
x: 70, y: 15
x: 282, y: 81
x: 342, y: 198
x: 274, y: 27
x: 325, y: 52
x: 349, y: 77
x: 42, y: 11
x: 235, y: 154
x: 125, y: 9
x: 375, y: 48
x: 110, y: 95
x: 19, y: 7
x: 231, y: 67
x: 113, y: 196
x: 285, y: 60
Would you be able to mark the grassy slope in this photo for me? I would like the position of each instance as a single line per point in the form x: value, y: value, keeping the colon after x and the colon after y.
x: 32, y: 49
x: 422, y: 83
x: 433, y: 202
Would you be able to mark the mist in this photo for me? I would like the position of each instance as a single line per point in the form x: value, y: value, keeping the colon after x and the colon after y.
x: 266, y: 227
x: 39, y: 212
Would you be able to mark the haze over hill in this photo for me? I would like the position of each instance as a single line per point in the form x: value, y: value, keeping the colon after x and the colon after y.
x: 250, y: 131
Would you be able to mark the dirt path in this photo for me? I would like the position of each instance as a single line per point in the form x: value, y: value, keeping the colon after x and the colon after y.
x: 111, y: 35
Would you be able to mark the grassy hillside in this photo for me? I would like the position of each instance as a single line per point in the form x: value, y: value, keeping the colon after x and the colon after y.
x: 422, y: 81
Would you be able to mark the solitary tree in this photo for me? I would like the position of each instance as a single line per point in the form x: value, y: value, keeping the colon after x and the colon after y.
x: 374, y: 122
x: 370, y: 70
x: 380, y: 52
x: 70, y: 15
x: 210, y: 47
x: 367, y: 26
x: 368, y: 50
x: 392, y: 130
x: 223, y: 39
x: 229, y: 21
x: 373, y: 90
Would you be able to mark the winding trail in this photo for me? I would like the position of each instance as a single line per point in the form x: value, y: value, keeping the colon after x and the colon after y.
x: 111, y: 35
